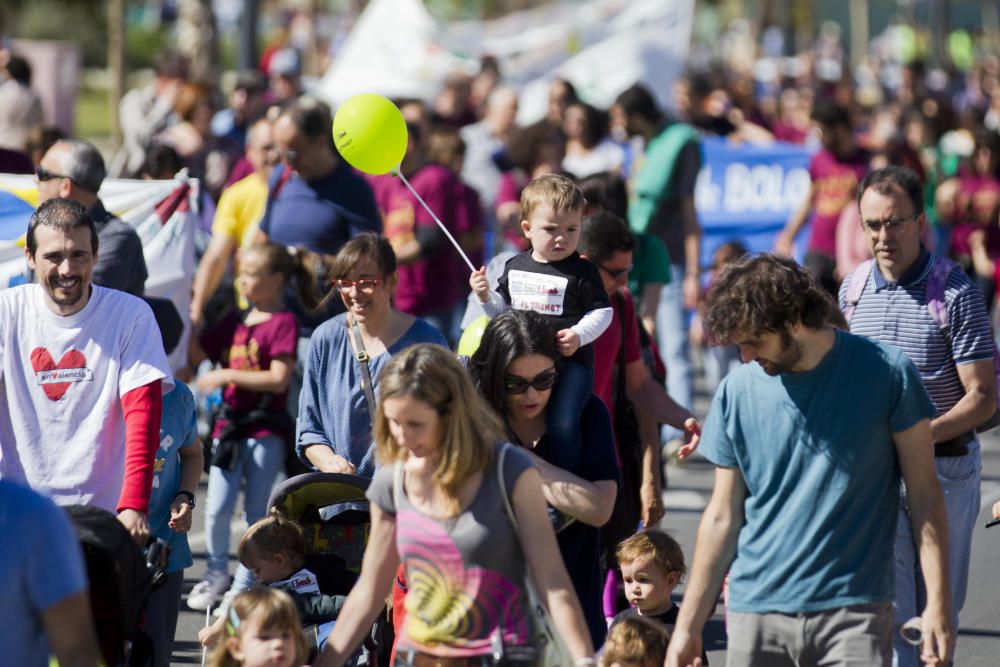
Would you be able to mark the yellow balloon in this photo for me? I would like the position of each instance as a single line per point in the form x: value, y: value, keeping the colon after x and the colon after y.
x: 469, y: 342
x: 370, y: 133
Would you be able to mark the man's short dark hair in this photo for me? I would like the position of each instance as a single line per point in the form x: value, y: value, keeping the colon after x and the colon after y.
x: 19, y: 69
x: 884, y: 180
x: 830, y: 114
x: 83, y: 164
x: 251, y: 80
x: 604, y: 234
x: 764, y: 294
x: 64, y: 215
x: 170, y: 64
x: 637, y: 100
x: 312, y: 117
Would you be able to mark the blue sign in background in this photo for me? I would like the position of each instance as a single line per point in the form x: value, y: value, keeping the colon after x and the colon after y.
x: 747, y: 193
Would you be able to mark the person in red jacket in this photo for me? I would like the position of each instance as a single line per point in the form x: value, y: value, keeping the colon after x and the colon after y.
x: 82, y: 373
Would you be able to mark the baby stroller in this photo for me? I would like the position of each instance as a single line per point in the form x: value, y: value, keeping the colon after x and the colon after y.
x: 119, y: 585
x: 333, y: 512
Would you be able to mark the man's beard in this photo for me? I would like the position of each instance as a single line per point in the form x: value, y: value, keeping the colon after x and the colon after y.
x: 790, y: 354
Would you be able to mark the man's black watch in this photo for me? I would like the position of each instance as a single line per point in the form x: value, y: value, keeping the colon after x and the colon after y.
x: 189, y: 496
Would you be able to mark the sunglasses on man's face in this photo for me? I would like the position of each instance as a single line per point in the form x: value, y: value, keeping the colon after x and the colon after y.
x: 43, y: 174
x: 515, y: 384
x: 614, y: 273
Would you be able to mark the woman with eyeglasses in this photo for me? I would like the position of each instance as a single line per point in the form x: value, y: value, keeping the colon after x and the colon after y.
x: 336, y: 406
x: 515, y: 369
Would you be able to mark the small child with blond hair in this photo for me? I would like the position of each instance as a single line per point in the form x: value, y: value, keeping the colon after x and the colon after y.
x: 262, y: 628
x: 635, y: 642
x: 652, y: 565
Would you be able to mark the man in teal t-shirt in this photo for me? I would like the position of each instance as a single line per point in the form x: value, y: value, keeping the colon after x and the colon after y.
x: 809, y: 443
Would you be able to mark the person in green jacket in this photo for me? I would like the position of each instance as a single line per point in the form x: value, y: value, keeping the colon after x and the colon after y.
x: 662, y: 205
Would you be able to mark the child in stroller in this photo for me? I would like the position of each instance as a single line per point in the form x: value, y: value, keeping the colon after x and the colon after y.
x: 311, y: 545
x: 273, y: 549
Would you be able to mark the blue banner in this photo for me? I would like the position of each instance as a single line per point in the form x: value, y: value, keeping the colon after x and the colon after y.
x: 747, y: 193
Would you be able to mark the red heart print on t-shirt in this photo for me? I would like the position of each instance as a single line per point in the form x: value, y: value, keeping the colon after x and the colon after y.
x: 41, y: 361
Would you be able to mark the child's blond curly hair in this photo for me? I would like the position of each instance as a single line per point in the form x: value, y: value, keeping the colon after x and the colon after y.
x: 635, y: 640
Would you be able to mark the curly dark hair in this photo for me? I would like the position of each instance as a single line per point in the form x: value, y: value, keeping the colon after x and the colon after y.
x: 764, y: 294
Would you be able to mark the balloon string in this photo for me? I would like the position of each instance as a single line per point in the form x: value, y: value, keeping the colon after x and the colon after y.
x: 444, y: 229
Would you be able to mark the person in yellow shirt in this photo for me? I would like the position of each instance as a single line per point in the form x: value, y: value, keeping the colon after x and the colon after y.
x: 240, y: 209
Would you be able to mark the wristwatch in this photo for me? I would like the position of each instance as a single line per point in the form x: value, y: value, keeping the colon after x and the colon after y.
x: 188, y: 495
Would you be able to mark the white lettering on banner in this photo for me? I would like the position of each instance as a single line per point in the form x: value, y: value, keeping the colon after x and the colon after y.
x: 65, y: 375
x: 746, y: 189
x: 537, y: 291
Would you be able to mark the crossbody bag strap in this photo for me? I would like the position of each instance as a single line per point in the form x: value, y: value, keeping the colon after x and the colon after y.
x: 361, y: 355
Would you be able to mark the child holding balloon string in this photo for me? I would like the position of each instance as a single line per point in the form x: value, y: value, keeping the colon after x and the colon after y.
x: 553, y: 279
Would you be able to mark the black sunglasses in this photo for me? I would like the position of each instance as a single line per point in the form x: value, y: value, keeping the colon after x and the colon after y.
x: 43, y: 174
x: 514, y: 384
x: 614, y: 273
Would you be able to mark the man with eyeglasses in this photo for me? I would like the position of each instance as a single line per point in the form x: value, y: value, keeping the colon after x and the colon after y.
x: 316, y: 201
x: 607, y: 241
x: 74, y: 169
x: 930, y: 309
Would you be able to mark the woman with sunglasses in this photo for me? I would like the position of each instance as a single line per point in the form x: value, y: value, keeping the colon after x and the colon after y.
x: 336, y: 406
x: 515, y: 369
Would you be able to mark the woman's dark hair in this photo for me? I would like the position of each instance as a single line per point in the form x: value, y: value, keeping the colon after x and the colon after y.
x: 764, y: 294
x: 367, y: 245
x: 508, y: 336
x: 595, y: 124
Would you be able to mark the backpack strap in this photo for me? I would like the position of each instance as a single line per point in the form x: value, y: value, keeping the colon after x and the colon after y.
x: 937, y: 279
x: 859, y: 278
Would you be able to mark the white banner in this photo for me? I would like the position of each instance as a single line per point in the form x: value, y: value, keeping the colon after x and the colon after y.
x: 397, y: 49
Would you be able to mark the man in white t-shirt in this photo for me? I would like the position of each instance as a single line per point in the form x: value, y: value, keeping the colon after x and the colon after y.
x: 82, y: 372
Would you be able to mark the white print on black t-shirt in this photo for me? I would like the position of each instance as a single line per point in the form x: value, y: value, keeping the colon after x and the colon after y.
x: 537, y: 291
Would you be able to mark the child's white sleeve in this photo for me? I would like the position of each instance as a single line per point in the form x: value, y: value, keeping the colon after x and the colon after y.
x: 494, y: 306
x: 593, y: 324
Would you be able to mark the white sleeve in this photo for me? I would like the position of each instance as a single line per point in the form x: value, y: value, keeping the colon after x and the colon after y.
x: 494, y: 306
x: 142, y: 357
x: 593, y: 324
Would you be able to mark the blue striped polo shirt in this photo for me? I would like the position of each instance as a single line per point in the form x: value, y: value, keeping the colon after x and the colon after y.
x: 896, y: 313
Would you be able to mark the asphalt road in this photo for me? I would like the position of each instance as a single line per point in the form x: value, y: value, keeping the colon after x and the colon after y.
x: 689, y: 486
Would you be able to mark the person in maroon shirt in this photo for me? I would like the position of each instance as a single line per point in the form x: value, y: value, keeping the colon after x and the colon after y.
x: 428, y: 264
x: 257, y: 351
x: 607, y: 241
x: 835, y: 172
